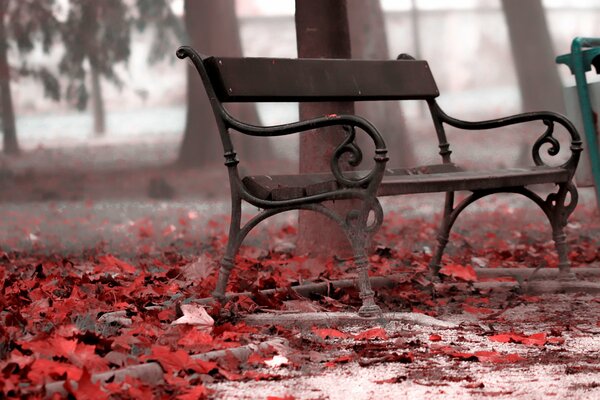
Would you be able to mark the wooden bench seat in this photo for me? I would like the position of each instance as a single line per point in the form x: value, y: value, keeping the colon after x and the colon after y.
x: 426, y: 179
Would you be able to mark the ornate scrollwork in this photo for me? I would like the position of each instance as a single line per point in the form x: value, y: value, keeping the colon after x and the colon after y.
x: 546, y: 138
x: 558, y: 201
x: 348, y: 146
x: 357, y: 221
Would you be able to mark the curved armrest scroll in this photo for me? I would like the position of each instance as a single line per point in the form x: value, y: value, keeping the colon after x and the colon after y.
x: 547, y: 117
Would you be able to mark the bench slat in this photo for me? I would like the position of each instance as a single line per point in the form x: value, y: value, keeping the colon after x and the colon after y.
x: 471, y: 180
x: 426, y: 179
x: 293, y: 80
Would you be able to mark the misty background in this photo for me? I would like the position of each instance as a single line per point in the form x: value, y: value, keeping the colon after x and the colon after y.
x: 100, y: 101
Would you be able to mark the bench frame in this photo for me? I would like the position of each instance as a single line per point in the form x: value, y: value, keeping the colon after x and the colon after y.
x: 360, y: 223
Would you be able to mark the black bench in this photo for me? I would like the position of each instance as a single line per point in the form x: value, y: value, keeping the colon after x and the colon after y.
x: 305, y: 80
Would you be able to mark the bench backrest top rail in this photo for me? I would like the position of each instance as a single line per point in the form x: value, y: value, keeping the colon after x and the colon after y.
x: 304, y: 80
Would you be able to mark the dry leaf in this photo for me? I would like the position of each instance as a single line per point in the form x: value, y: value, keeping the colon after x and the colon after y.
x: 194, y: 314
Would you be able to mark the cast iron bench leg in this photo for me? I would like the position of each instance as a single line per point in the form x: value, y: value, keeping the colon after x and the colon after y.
x: 555, y: 208
x: 442, y: 240
x: 233, y: 245
x: 558, y: 215
x: 358, y: 233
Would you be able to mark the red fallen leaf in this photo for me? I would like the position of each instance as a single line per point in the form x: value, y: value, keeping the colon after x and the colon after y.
x: 598, y: 323
x: 463, y: 356
x: 477, y: 310
x: 173, y: 361
x: 230, y: 375
x: 256, y: 358
x: 110, y: 260
x: 86, y: 390
x: 198, y: 392
x: 133, y: 387
x: 286, y: 397
x: 339, y: 360
x: 502, y: 337
x: 325, y: 333
x: 537, y: 339
x: 435, y: 338
x: 42, y: 369
x: 375, y: 333
x: 85, y: 356
x: 465, y: 273
x: 55, y: 346
x: 482, y: 356
x: 331, y: 115
x: 497, y: 358
x: 261, y: 376
x: 195, y: 337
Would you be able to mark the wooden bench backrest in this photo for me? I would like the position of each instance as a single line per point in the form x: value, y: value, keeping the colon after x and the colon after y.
x: 303, y: 80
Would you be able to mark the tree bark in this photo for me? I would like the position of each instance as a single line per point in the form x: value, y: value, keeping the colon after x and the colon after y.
x: 212, y: 27
x: 322, y: 31
x: 533, y: 56
x: 11, y: 145
x: 369, y: 41
x: 97, y: 103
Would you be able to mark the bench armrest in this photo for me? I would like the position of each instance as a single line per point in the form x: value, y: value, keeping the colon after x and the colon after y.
x: 349, y: 122
x: 547, y: 117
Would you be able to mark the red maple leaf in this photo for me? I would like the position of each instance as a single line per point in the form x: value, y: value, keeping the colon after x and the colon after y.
x: 198, y: 392
x: 497, y: 358
x: 112, y: 261
x: 375, y: 333
x: 173, y: 361
x: 435, y: 338
x: 43, y: 370
x: 86, y: 389
x: 55, y: 346
x: 325, y: 333
x: 196, y: 338
x: 339, y: 360
x: 536, y: 339
x: 465, y: 273
x: 477, y: 310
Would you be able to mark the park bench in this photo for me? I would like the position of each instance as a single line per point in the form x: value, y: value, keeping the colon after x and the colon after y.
x: 306, y: 80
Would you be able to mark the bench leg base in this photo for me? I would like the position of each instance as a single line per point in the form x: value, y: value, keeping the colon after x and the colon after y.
x: 226, y: 267
x: 370, y: 311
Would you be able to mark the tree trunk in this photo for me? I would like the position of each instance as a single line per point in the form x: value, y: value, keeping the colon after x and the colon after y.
x: 97, y: 104
x: 322, y: 32
x: 11, y: 145
x: 212, y: 27
x: 369, y: 41
x: 533, y: 56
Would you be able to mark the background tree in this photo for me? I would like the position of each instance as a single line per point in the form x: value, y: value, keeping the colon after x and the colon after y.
x: 22, y: 22
x: 96, y: 33
x: 533, y: 56
x: 11, y: 145
x: 369, y: 41
x: 168, y: 28
x: 212, y: 27
x: 322, y: 31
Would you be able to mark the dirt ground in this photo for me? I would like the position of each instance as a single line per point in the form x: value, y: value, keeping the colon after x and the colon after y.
x: 56, y: 204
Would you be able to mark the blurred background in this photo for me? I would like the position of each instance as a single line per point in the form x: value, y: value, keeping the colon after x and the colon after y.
x: 99, y: 73
x: 95, y: 104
